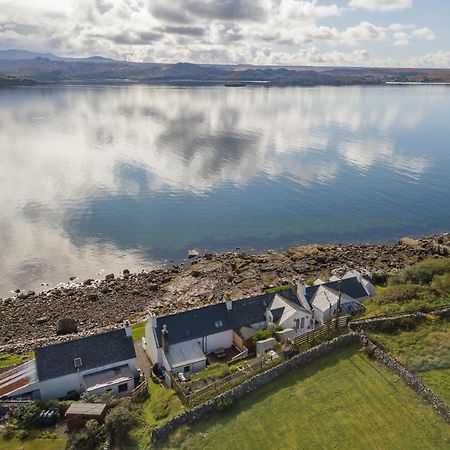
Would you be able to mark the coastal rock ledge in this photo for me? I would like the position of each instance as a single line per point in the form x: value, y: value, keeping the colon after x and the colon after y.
x: 31, y: 320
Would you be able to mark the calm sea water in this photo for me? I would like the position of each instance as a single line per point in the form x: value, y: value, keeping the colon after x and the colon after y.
x: 97, y: 179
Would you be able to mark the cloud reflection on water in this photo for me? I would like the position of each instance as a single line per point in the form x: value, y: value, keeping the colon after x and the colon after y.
x: 62, y: 147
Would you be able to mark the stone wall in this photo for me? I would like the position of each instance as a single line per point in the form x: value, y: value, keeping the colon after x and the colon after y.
x: 193, y: 415
x: 413, y: 382
x: 373, y: 324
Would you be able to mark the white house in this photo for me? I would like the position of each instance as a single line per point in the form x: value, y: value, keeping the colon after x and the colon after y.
x: 181, y: 342
x: 101, y: 363
x: 352, y: 289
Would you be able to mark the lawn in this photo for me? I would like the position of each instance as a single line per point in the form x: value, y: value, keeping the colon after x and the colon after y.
x: 343, y: 400
x: 33, y: 444
x: 425, y: 351
x: 138, y: 331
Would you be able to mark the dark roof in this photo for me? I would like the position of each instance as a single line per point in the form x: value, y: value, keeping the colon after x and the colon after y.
x: 277, y: 313
x: 95, y: 351
x: 212, y: 319
x: 350, y: 286
x: 194, y: 323
x: 250, y: 310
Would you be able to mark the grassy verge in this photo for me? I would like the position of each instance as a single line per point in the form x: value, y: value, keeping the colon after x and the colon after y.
x: 343, y: 400
x: 9, y: 359
x: 425, y: 351
x: 161, y: 405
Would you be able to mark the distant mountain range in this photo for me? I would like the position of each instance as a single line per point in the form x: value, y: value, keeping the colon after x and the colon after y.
x: 19, y: 67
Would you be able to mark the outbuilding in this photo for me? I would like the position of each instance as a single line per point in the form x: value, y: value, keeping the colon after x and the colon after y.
x: 79, y: 413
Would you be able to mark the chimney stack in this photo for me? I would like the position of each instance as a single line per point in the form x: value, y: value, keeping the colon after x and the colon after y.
x: 229, y: 304
x: 127, y: 327
x: 165, y: 338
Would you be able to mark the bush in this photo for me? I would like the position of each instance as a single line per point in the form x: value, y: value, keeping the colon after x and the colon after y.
x: 260, y: 335
x: 120, y: 421
x: 379, y: 278
x: 441, y: 283
x: 66, y: 326
x: 422, y: 272
x: 91, y: 438
x: 9, y: 431
x: 391, y: 326
x: 401, y: 293
x: 28, y: 415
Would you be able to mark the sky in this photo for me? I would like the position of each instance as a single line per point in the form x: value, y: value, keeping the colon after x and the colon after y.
x: 406, y: 33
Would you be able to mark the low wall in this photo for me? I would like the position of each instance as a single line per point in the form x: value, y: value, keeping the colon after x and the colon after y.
x: 190, y: 416
x: 413, y: 382
x: 373, y: 324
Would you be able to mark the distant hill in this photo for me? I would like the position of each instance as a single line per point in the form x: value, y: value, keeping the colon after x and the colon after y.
x: 46, y: 67
x: 14, y: 55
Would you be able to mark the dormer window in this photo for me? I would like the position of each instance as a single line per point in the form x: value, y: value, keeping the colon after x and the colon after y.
x: 77, y: 363
x: 218, y: 323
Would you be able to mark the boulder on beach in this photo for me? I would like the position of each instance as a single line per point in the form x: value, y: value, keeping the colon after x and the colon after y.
x: 66, y: 325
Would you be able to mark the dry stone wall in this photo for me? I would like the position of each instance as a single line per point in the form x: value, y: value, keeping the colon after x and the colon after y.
x: 413, y: 382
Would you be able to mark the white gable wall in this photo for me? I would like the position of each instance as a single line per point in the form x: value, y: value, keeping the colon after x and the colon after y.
x: 151, y: 348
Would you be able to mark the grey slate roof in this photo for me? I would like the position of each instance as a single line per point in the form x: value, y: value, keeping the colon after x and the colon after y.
x: 350, y: 286
x: 95, y: 351
x: 194, y: 323
x: 212, y: 319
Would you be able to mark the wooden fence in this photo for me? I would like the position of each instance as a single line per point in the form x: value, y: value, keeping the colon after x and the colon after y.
x: 140, y: 387
x: 321, y: 331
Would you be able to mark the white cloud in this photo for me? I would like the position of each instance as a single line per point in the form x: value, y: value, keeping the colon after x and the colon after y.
x: 381, y: 5
x: 202, y: 31
x: 401, y: 38
x: 424, y: 33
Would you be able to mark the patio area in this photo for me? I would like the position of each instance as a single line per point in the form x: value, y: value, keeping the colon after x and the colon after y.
x: 223, y: 355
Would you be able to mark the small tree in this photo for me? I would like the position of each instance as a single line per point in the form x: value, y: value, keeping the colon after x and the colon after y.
x: 120, y: 421
x: 91, y: 438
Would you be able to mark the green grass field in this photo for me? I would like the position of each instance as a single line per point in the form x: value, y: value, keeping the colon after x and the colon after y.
x: 425, y: 351
x: 343, y: 400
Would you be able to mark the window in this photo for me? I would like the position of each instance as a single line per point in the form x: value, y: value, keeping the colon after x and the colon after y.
x: 187, y: 369
x: 303, y: 323
x: 297, y: 324
x: 123, y: 387
x: 218, y: 323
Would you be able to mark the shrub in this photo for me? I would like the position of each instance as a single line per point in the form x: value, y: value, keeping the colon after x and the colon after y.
x: 441, y: 283
x: 260, y: 335
x: 28, y: 415
x: 422, y: 272
x: 379, y: 278
x: 9, y: 431
x: 310, y: 282
x: 91, y: 438
x: 120, y: 421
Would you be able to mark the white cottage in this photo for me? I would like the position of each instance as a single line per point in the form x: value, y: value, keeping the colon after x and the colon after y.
x: 181, y: 342
x: 96, y: 364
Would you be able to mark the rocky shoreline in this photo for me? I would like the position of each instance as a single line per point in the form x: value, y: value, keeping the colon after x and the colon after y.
x: 29, y: 319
